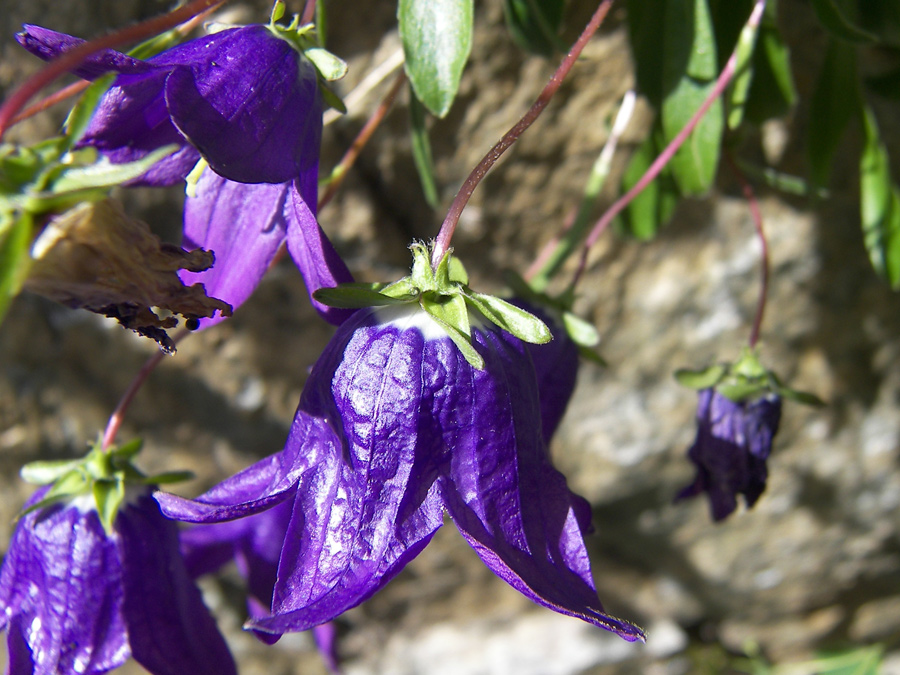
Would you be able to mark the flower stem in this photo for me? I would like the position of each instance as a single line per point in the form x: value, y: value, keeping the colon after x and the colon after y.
x: 442, y: 242
x: 72, y: 58
x: 755, y: 213
x: 558, y: 249
x: 619, y: 205
x: 118, y: 415
x: 362, y: 138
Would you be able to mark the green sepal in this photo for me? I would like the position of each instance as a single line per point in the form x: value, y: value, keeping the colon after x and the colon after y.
x: 457, y: 271
x: 168, y: 477
x: 700, y: 379
x: 462, y: 341
x: 510, y: 318
x: 44, y: 472
x: 358, y: 295
x: 589, y: 354
x: 330, y: 67
x: 581, y: 332
x: 448, y: 309
x: 278, y: 10
x: 804, y: 397
x: 332, y: 100
x: 108, y: 496
x: 740, y: 390
x: 127, y: 451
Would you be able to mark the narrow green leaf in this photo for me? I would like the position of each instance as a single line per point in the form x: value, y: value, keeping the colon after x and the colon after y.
x: 15, y: 261
x: 437, y: 37
x: 421, y: 149
x: 839, y: 25
x: 647, y: 34
x: 510, y: 318
x: 105, y: 174
x: 740, y: 86
x: 654, y: 206
x: 700, y: 379
x: 690, y: 30
x: 45, y: 472
x: 534, y: 24
x: 879, y: 204
x: 108, y: 495
x: 772, y: 91
x: 835, y: 101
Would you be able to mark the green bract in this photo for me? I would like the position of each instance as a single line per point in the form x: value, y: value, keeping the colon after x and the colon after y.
x: 444, y: 294
x: 102, y: 474
x: 745, y: 379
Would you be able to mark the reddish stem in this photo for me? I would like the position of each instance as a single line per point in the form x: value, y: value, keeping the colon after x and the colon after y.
x: 362, y: 138
x: 756, y: 214
x: 72, y: 58
x: 442, y: 242
x: 619, y: 205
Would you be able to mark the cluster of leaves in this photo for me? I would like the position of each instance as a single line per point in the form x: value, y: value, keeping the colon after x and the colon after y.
x: 681, y: 45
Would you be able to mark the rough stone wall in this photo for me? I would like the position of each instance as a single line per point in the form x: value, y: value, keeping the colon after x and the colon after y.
x: 816, y: 563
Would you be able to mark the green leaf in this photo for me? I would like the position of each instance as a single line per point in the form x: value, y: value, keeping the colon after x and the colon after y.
x: 886, y: 84
x: 108, y: 495
x: 834, y: 102
x: 437, y: 37
x: 522, y: 324
x: 839, y: 25
x: 44, y: 472
x: 647, y: 34
x: 701, y: 379
x: 690, y: 31
x: 778, y: 180
x: 421, y: 149
x: 772, y: 92
x: 581, y: 332
x: 740, y: 86
x: 355, y: 296
x: 15, y: 261
x: 879, y: 204
x: 654, y: 206
x: 534, y: 24
x: 105, y: 174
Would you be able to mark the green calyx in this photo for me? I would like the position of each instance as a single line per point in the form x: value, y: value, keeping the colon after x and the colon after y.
x: 745, y: 379
x: 102, y: 474
x: 443, y: 293
x: 305, y: 40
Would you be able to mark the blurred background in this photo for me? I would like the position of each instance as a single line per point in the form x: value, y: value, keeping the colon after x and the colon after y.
x: 814, y: 567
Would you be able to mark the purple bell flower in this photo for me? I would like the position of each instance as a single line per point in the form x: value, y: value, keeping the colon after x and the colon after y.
x: 394, y: 428
x: 244, y: 99
x: 733, y: 442
x: 247, y: 102
x: 75, y: 599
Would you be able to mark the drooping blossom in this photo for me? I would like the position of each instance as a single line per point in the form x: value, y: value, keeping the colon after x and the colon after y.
x: 254, y: 544
x: 734, y: 439
x: 248, y: 102
x: 394, y: 428
x: 75, y: 599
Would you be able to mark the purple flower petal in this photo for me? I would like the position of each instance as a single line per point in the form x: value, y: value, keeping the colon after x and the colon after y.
x: 48, y: 44
x: 244, y: 225
x: 62, y: 579
x: 170, y: 630
x: 733, y: 441
x: 315, y: 257
x: 507, y: 501
x: 262, y: 485
x: 249, y: 102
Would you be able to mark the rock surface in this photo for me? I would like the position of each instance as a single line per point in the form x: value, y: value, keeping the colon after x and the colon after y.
x: 816, y: 564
